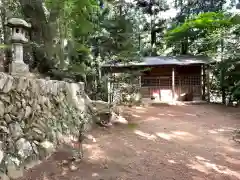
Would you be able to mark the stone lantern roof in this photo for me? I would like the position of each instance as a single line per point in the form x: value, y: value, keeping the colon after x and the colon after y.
x: 19, y: 27
x: 17, y: 22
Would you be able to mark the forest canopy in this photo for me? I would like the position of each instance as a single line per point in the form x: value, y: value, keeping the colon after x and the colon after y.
x: 73, y: 38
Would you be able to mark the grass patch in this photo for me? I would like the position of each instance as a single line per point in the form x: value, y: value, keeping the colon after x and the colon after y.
x: 132, y: 125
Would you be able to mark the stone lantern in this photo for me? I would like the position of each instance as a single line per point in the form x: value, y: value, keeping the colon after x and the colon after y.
x: 18, y: 39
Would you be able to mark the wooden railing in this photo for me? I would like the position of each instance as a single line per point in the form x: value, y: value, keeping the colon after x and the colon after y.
x: 195, y: 89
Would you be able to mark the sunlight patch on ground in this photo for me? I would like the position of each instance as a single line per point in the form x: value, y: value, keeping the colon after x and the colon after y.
x: 175, y: 114
x: 140, y: 111
x: 164, y: 136
x: 186, y: 136
x: 228, y: 148
x: 152, y: 118
x: 64, y: 171
x: 129, y: 145
x: 119, y: 119
x: 95, y: 152
x: 135, y: 115
x: 139, y: 107
x: 172, y: 161
x: 201, y: 158
x: 205, y: 166
x: 221, y: 169
x: 225, y: 129
x: 212, y: 132
x: 189, y: 114
x: 45, y: 177
x: 232, y: 160
x: 221, y: 130
x: 90, y: 137
x: 172, y: 115
x: 180, y: 135
x: 199, y: 167
x: 95, y: 175
x: 224, y: 140
x: 230, y: 128
x: 145, y: 135
x: 197, y: 178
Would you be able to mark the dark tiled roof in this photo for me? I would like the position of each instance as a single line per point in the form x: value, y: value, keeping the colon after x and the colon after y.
x: 163, y: 60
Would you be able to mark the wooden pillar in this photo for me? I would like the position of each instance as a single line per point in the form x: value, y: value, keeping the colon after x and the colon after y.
x: 173, y: 83
x: 203, y: 82
x: 208, y: 83
x: 110, y: 87
x: 140, y: 81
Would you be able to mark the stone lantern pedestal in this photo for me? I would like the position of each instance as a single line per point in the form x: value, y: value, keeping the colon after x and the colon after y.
x: 18, y: 39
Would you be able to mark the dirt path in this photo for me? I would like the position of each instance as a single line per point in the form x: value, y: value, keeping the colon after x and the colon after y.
x: 166, y: 143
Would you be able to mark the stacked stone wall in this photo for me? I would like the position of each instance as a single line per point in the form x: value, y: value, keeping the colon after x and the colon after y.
x: 34, y: 115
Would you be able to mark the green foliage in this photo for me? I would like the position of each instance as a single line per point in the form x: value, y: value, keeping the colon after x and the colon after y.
x: 124, y: 31
x: 203, y: 23
x: 214, y: 34
x: 4, y: 46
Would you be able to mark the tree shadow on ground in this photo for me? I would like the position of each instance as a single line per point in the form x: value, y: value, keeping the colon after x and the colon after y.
x: 154, y: 146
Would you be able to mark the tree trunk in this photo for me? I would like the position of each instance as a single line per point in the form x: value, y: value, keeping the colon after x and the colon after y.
x: 5, y: 33
x: 184, y: 47
x: 42, y: 33
x: 223, y: 70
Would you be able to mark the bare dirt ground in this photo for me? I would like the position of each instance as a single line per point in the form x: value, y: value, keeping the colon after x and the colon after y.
x: 162, y: 143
